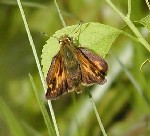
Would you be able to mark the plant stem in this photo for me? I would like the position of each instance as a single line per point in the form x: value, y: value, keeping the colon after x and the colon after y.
x: 129, y: 9
x: 131, y: 25
x: 38, y: 64
x: 130, y: 36
x: 47, y: 120
x: 97, y: 115
x: 60, y: 15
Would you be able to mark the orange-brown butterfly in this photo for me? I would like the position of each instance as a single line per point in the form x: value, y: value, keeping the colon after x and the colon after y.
x: 72, y: 67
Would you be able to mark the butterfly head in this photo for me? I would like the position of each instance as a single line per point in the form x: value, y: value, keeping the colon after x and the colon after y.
x: 65, y: 39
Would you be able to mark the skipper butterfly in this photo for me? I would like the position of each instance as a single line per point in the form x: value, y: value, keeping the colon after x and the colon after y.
x: 72, y: 67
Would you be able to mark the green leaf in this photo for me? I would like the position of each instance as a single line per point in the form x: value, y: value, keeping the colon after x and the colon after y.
x: 94, y: 36
x: 146, y: 22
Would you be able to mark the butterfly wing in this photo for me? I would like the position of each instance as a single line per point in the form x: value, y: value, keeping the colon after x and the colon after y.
x: 93, y: 67
x: 56, y: 78
x: 92, y: 70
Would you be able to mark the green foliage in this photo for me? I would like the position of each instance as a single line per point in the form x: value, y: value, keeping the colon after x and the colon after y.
x: 123, y: 110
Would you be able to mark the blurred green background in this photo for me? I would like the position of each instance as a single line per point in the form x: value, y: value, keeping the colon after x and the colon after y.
x: 124, y: 111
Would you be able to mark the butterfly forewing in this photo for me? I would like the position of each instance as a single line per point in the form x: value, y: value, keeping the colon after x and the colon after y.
x: 93, y: 67
x: 56, y: 78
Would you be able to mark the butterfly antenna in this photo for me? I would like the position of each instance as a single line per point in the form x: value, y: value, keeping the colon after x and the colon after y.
x: 79, y: 26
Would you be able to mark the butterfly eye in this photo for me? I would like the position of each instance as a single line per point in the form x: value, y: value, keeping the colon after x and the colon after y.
x: 60, y: 41
x: 69, y: 39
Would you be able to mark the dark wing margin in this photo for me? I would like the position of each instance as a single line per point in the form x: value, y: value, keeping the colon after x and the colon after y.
x: 56, y: 78
x: 93, y: 67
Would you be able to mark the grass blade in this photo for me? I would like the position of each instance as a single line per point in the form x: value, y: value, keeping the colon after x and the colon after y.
x: 47, y: 120
x: 11, y: 120
x: 38, y: 64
